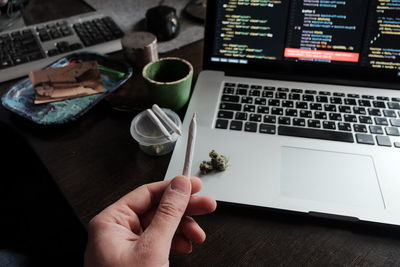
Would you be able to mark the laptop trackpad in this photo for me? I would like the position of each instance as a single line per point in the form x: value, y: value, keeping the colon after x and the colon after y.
x: 334, y: 177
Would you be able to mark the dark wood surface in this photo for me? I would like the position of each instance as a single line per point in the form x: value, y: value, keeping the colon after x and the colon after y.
x: 95, y: 161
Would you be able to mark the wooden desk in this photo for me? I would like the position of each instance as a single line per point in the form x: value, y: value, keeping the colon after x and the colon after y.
x: 95, y: 161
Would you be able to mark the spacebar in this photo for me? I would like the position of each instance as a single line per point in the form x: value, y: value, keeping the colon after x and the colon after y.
x: 316, y: 134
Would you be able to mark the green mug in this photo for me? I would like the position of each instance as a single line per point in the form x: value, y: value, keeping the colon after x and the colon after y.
x: 169, y: 81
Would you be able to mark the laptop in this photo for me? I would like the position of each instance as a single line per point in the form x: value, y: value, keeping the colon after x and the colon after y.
x: 302, y: 97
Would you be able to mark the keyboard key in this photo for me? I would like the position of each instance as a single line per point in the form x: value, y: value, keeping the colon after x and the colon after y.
x: 315, y: 106
x: 344, y: 109
x: 397, y: 144
x: 350, y: 118
x: 305, y: 113
x: 247, y: 100
x: 260, y: 101
x: 221, y: 124
x: 366, y: 139
x: 299, y: 122
x: 262, y: 109
x: 280, y: 95
x: 364, y: 103
x: 269, y: 119
x: 392, y: 131
x: 5, y: 64
x: 269, y: 88
x: 267, y: 128
x: 287, y: 103
x: 291, y: 112
x: 268, y: 94
x: 381, y: 121
x: 229, y: 84
x: 249, y: 108
x: 325, y: 93
x: 359, y: 110
x: 322, y: 99
x: 241, y: 91
x: 397, y: 99
x: 52, y: 52
x: 230, y: 98
x: 315, y: 134
x: 353, y: 95
x: 294, y: 90
x: 378, y: 104
x: 242, y: 85
x: 63, y: 47
x: 368, y: 96
x: 256, y: 87
x: 250, y: 127
x: 310, y: 92
x: 389, y: 113
x: 330, y: 125
x: 383, y: 98
x: 360, y: 128
x: 335, y: 117
x: 336, y: 100
x: 236, y: 125
x: 339, y: 94
x: 350, y: 101
x: 231, y: 106
x: 293, y: 96
x: 320, y: 115
x: 36, y: 56
x: 241, y: 116
x: 255, y: 117
x: 20, y: 60
x: 229, y: 90
x: 274, y: 102
x: 365, y: 119
x: 44, y: 36
x: 255, y: 92
x: 276, y: 111
x: 308, y: 98
x: 374, y: 112
x: 393, y: 105
x: 225, y: 114
x: 375, y: 129
x: 395, y: 122
x: 383, y: 140
x: 302, y: 105
x: 344, y: 126
x: 314, y: 123
x: 283, y: 89
x: 329, y: 107
x: 284, y: 120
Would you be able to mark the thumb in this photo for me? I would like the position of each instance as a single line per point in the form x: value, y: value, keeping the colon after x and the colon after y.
x: 169, y: 213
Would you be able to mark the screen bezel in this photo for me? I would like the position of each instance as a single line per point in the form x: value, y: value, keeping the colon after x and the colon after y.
x: 295, y: 71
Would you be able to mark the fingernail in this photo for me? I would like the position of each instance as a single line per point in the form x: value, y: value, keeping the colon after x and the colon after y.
x: 181, y: 185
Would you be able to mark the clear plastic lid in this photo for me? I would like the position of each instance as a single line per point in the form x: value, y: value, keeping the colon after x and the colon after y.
x: 145, y: 132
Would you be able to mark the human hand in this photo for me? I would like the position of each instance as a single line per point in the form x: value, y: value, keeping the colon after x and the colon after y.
x: 142, y: 227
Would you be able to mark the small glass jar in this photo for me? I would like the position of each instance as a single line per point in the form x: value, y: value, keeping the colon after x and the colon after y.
x: 151, y: 140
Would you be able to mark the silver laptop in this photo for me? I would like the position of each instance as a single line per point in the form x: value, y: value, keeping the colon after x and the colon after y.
x: 302, y: 97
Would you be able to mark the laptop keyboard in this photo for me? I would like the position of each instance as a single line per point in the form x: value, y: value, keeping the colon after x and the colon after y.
x: 364, y: 119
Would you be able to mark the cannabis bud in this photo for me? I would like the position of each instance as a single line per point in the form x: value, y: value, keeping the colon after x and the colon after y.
x: 218, y: 162
x: 206, y: 167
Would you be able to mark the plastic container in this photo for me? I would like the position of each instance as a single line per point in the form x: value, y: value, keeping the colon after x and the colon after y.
x: 150, y: 138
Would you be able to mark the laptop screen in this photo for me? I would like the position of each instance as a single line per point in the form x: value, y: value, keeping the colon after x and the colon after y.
x: 348, y: 39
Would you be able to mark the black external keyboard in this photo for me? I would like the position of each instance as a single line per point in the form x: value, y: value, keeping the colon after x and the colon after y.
x: 336, y: 116
x: 34, y: 47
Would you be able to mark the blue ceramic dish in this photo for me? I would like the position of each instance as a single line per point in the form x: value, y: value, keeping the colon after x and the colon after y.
x: 20, y: 97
